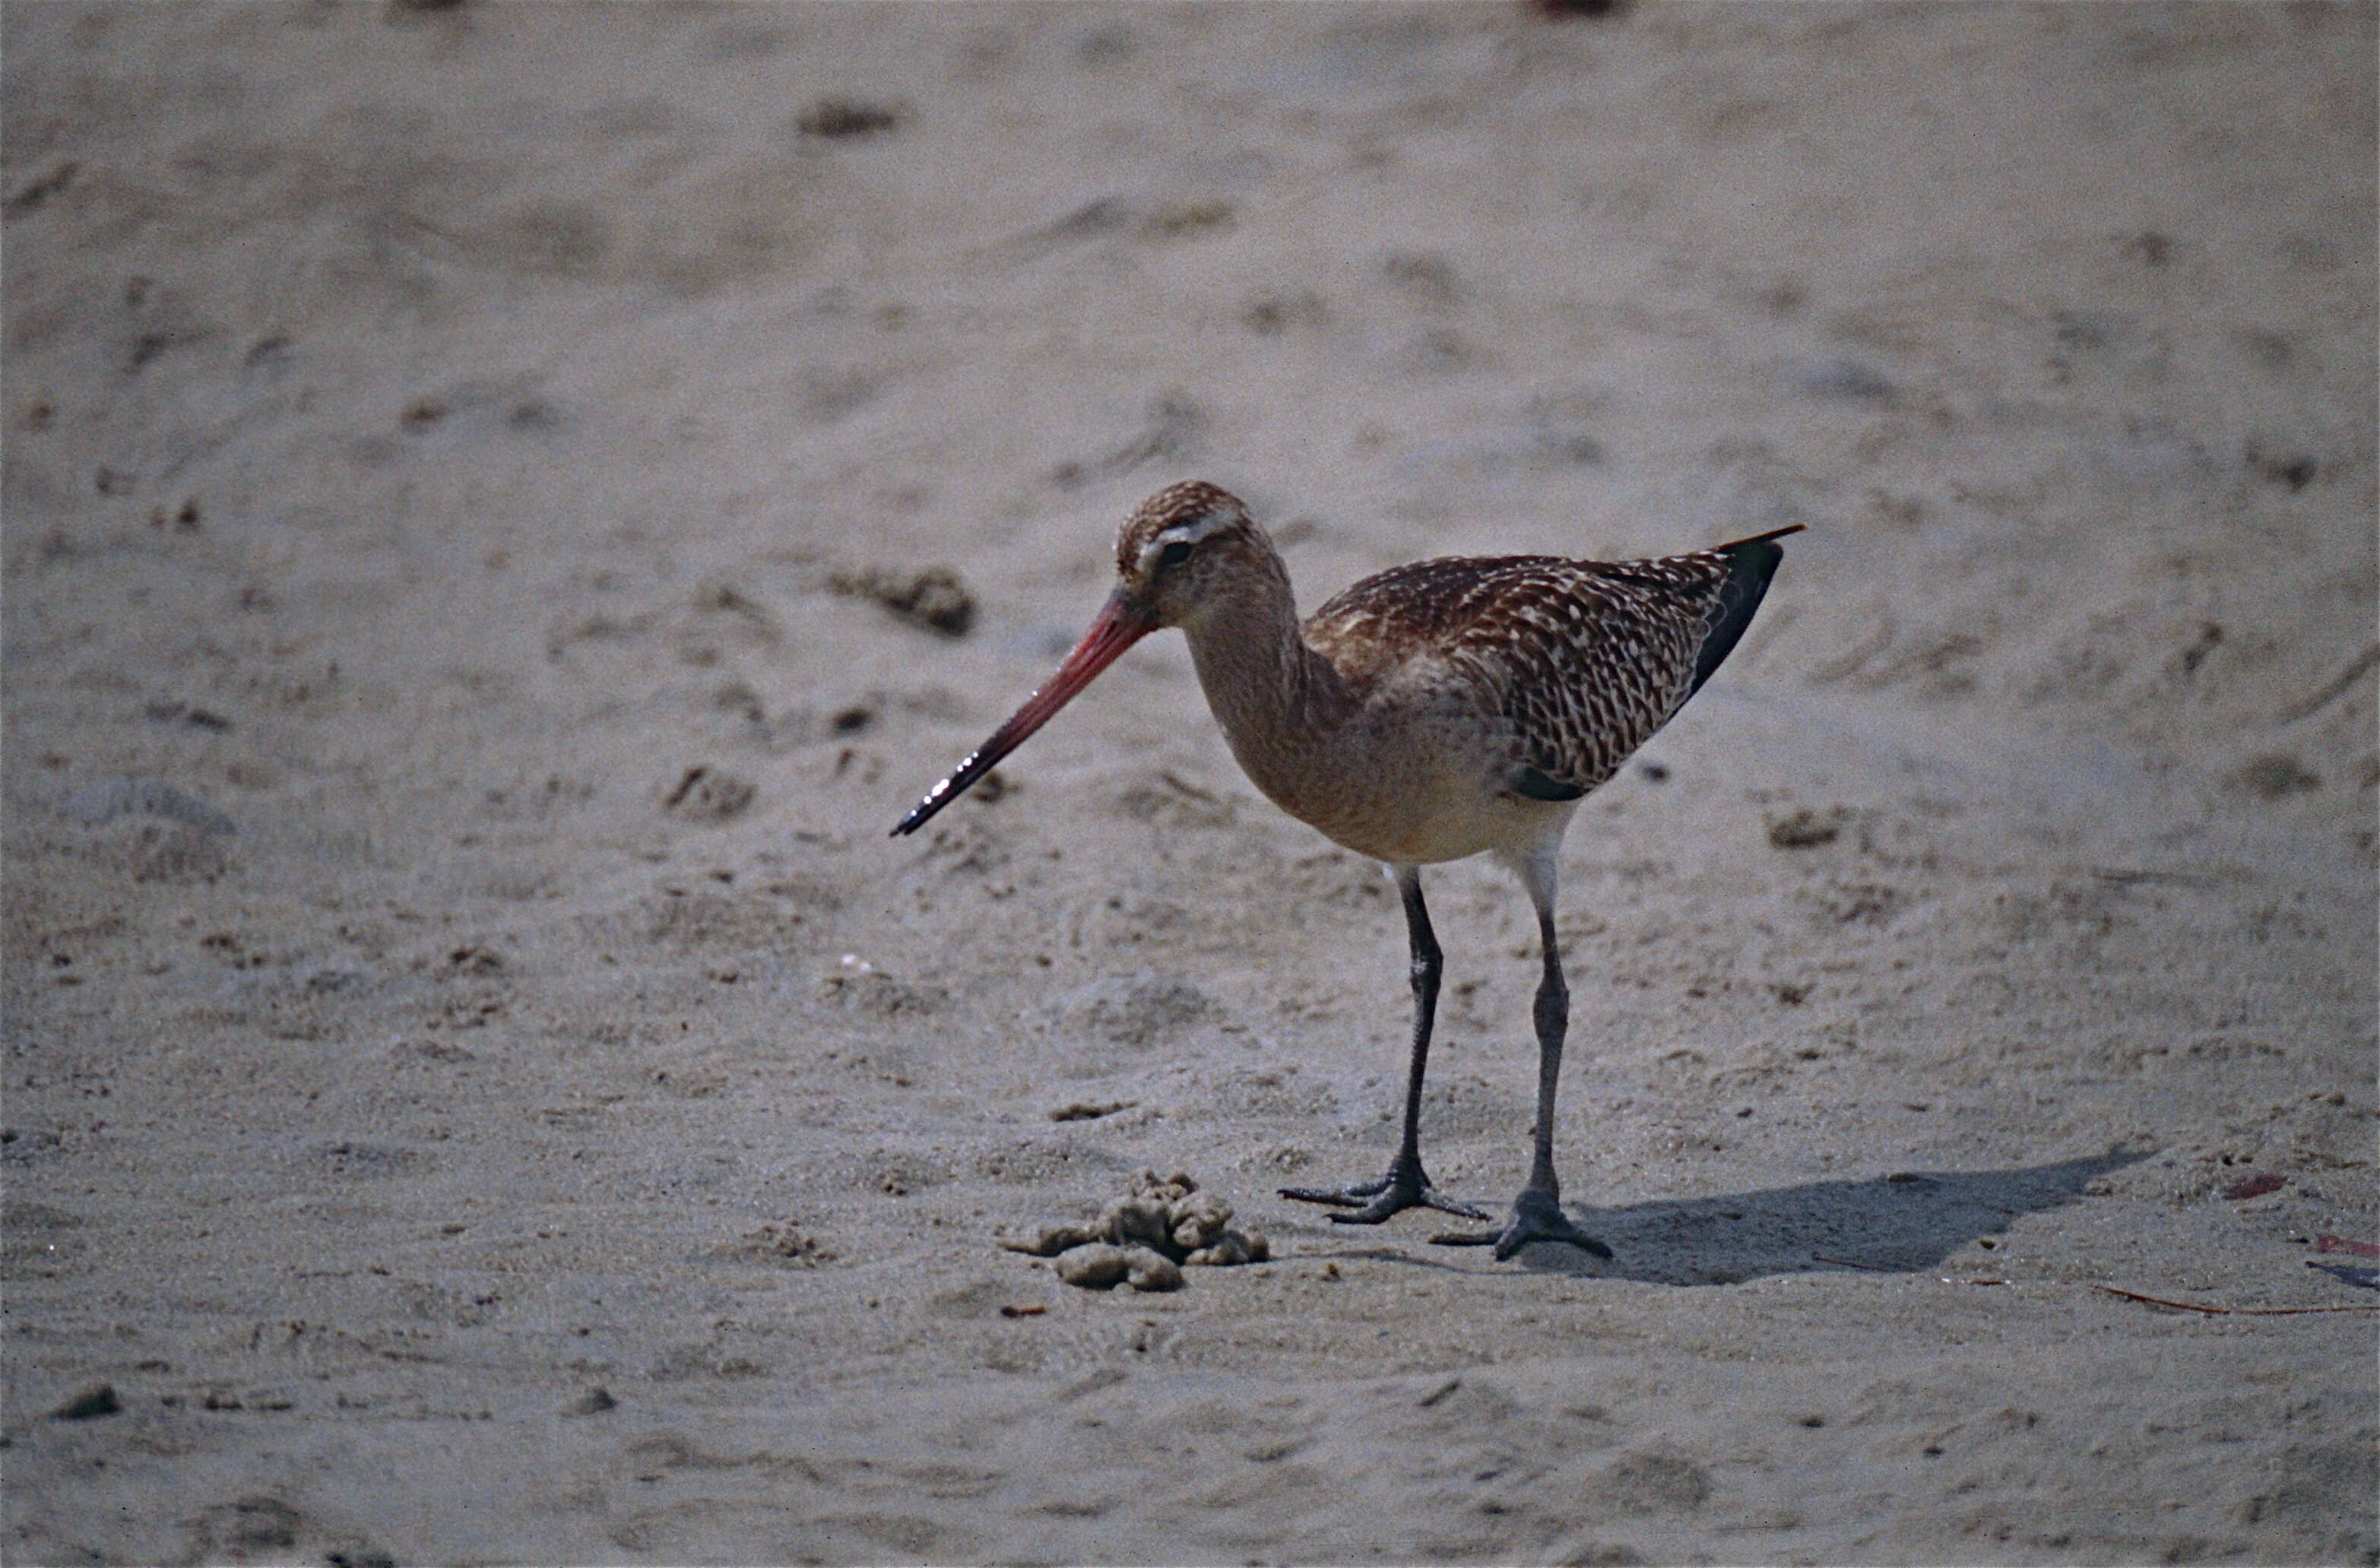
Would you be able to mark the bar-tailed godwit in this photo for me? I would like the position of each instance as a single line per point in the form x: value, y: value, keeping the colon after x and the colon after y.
x: 1446, y: 709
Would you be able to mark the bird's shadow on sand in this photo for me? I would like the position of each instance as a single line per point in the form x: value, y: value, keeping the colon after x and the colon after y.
x: 1907, y: 1222
x: 1904, y: 1224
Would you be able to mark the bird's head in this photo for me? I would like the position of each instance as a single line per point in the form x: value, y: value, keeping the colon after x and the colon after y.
x: 1180, y: 546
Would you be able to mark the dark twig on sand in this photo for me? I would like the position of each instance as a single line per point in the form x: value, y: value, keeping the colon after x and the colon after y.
x: 2230, y: 1311
x: 2331, y: 692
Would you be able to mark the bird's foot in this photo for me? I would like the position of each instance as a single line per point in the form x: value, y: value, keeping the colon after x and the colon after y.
x: 1405, y: 1186
x: 1537, y: 1216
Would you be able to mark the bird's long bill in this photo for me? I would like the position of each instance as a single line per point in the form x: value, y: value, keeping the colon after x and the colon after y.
x: 1120, y: 624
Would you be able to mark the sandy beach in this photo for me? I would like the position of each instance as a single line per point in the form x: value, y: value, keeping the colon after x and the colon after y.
x: 506, y: 505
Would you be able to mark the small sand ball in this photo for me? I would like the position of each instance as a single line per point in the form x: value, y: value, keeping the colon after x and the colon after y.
x: 1139, y: 1219
x: 1233, y: 1247
x: 1151, y: 1271
x: 1164, y: 1189
x: 1099, y: 1266
x: 1049, y: 1241
x: 1198, y: 1219
x: 1095, y: 1267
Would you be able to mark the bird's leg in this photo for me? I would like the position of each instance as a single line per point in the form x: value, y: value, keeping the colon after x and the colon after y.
x: 1407, y: 1184
x: 1537, y: 1212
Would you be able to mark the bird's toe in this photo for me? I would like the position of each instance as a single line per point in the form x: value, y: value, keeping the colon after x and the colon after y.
x: 1537, y: 1216
x: 1405, y: 1186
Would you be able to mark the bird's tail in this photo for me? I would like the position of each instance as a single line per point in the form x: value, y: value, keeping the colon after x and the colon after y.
x: 1751, y: 563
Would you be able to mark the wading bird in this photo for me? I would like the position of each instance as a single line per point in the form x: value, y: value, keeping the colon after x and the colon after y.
x: 1438, y: 711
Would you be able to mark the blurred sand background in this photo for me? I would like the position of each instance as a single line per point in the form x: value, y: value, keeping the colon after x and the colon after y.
x: 481, y: 1086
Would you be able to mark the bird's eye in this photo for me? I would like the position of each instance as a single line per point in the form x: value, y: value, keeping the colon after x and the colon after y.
x: 1173, y: 554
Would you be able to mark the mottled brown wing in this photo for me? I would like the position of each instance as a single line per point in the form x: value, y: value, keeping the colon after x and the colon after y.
x: 1584, y: 660
x: 1384, y: 620
x: 1588, y: 659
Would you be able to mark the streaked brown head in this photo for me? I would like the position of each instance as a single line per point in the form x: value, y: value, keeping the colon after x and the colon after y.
x: 1180, y: 545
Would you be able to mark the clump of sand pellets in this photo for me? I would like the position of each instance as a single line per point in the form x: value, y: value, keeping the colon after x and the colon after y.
x: 1144, y: 1237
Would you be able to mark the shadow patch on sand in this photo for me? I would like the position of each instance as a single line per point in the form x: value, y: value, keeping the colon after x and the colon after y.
x: 1907, y: 1222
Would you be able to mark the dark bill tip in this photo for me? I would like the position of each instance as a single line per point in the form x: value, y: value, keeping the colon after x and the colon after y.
x: 1120, y: 624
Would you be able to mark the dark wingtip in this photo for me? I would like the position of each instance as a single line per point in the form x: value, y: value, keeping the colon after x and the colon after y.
x: 1761, y: 538
x: 1751, y: 563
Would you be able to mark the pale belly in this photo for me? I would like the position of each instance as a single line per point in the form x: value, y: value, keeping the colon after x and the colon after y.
x: 1417, y: 815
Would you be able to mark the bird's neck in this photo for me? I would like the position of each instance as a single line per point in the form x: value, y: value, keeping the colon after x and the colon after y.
x: 1275, y: 698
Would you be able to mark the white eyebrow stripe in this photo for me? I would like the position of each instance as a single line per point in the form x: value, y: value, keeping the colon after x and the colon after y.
x: 1193, y: 530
